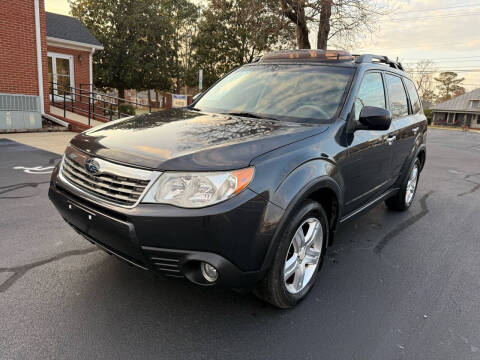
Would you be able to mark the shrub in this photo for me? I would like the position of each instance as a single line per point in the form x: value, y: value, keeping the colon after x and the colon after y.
x: 429, y: 115
x: 127, y: 109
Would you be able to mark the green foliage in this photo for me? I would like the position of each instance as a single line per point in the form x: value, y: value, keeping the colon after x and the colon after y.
x: 449, y: 85
x: 428, y: 113
x: 184, y: 17
x: 161, y: 44
x: 234, y: 32
x: 128, y: 109
x: 136, y: 35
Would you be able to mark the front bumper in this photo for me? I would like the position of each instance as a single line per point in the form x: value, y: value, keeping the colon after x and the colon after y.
x: 173, y: 241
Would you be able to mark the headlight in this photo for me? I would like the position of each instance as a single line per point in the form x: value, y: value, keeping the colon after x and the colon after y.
x: 197, y: 189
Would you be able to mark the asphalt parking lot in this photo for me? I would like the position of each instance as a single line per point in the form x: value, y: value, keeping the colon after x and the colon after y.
x: 393, y: 286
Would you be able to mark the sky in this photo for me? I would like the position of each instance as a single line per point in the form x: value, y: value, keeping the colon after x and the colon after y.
x: 445, y: 31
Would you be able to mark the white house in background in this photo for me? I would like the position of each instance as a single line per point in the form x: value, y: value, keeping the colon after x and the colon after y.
x: 464, y: 110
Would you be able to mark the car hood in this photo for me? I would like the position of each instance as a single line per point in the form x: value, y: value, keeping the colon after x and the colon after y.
x: 180, y: 139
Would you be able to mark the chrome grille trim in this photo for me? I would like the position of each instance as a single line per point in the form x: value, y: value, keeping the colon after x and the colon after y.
x: 115, y: 184
x: 73, y: 173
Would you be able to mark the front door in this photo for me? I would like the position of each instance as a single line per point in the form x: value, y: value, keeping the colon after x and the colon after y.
x: 368, y: 169
x: 60, y: 75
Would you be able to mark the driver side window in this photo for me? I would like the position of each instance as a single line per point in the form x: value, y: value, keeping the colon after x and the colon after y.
x: 371, y: 93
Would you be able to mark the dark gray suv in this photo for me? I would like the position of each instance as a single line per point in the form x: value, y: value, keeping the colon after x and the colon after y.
x: 246, y: 187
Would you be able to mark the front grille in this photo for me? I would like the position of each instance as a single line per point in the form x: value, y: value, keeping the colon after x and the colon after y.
x: 119, y: 189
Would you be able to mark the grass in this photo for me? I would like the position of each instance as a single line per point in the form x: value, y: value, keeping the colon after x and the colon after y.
x: 454, y: 128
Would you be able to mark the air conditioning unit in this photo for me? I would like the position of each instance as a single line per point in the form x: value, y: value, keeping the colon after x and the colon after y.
x: 19, y: 112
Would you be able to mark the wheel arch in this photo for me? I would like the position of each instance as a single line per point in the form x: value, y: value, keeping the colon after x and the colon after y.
x: 422, y: 155
x: 310, y: 181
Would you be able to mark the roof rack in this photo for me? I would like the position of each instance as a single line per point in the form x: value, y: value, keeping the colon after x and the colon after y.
x: 370, y: 58
x: 308, y: 55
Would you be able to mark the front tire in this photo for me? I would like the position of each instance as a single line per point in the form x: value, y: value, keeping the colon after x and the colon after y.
x: 298, y: 258
x: 404, y: 198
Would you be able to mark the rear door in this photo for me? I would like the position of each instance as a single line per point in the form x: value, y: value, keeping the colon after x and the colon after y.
x: 368, y: 168
x: 406, y: 119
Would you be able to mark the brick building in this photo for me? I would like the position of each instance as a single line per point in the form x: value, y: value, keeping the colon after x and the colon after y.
x: 36, y: 49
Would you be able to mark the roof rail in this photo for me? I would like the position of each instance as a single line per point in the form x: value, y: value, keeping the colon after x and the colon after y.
x: 308, y: 55
x: 370, y: 58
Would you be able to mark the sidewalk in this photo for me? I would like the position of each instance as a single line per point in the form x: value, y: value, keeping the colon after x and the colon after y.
x: 55, y: 142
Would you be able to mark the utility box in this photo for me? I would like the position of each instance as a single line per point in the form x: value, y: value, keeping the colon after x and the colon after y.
x: 18, y: 112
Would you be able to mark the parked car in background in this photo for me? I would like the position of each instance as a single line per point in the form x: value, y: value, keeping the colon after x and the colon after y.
x: 246, y: 187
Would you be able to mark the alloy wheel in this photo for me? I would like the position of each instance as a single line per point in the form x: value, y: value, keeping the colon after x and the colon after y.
x: 411, y: 185
x: 303, y: 255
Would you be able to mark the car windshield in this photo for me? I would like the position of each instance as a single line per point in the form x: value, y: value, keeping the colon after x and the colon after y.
x: 303, y: 93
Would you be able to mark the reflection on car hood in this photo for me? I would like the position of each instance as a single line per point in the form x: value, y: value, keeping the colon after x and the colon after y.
x: 181, y: 139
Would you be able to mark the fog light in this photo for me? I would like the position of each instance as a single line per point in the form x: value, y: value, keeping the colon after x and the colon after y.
x: 209, y: 272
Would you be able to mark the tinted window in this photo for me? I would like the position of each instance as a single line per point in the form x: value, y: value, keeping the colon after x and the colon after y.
x: 371, y: 93
x: 412, y: 93
x: 397, y: 96
x: 287, y: 92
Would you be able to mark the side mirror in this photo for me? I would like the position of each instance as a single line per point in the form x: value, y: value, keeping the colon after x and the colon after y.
x: 374, y: 118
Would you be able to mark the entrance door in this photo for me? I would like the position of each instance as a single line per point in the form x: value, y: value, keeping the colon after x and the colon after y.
x: 60, y: 74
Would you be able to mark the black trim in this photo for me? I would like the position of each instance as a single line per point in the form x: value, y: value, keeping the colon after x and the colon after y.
x: 369, y: 205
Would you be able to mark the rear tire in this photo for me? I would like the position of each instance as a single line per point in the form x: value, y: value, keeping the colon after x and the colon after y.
x: 404, y: 198
x: 298, y: 258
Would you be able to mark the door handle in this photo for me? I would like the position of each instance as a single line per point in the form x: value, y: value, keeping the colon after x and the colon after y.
x: 391, y: 139
x: 415, y: 130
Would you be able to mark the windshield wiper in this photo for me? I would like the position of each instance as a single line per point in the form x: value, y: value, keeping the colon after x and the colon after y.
x: 249, y: 114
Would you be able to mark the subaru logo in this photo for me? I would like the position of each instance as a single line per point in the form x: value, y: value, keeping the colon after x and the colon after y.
x: 92, y: 166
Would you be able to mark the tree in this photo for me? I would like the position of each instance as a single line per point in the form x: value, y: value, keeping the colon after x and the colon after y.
x: 422, y: 74
x: 343, y: 20
x: 136, y: 36
x: 234, y: 32
x: 294, y: 10
x: 449, y: 85
x: 183, y: 16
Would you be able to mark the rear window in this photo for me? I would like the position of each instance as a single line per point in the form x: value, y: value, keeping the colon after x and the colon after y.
x: 412, y: 93
x: 397, y: 96
x: 303, y: 93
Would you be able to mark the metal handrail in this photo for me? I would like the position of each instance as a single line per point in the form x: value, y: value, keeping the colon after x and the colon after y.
x: 113, y: 97
x: 92, y: 99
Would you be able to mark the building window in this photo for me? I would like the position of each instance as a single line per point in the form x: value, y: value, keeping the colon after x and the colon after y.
x: 459, y: 119
x: 441, y: 117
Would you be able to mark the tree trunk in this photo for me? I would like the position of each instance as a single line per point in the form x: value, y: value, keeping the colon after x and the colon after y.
x: 324, y: 24
x: 149, y: 95
x: 121, y: 94
x: 302, y: 37
x: 294, y: 10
